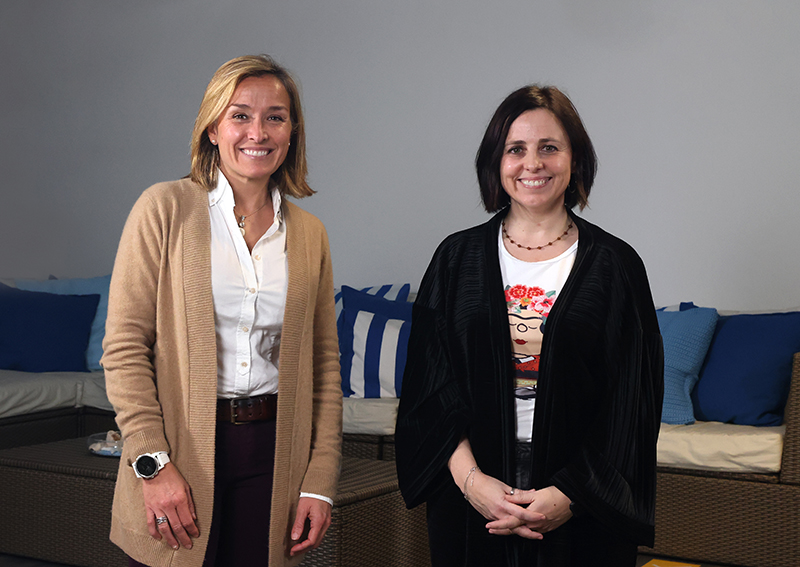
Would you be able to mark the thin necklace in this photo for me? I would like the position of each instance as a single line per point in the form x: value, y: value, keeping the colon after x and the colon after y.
x: 242, y: 218
x: 512, y: 241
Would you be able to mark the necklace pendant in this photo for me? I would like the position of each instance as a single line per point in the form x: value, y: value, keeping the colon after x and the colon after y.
x: 241, y: 229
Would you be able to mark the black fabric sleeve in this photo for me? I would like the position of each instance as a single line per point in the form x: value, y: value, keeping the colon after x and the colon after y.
x: 612, y: 474
x: 433, y: 414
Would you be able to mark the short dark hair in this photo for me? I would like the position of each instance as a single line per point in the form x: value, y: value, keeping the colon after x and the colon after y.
x: 490, y: 152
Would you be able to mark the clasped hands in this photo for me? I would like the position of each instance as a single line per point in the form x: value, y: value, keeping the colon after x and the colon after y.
x: 526, y: 513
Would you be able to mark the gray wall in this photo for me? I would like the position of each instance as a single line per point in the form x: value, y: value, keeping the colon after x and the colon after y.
x: 691, y: 105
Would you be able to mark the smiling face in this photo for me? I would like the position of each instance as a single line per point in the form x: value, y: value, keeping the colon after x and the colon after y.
x: 536, y: 165
x: 253, y: 132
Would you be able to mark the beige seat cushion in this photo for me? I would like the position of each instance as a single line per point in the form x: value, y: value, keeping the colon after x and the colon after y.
x: 714, y: 446
x: 369, y: 416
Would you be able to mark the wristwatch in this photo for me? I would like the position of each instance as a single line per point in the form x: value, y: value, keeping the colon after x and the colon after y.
x: 147, y: 465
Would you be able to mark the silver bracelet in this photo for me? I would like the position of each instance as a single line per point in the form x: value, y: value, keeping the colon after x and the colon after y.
x: 469, y: 474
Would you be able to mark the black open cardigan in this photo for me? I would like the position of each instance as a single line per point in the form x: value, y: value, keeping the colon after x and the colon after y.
x: 598, y: 405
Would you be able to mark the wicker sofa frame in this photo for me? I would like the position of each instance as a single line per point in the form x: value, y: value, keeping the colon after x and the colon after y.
x: 53, y: 425
x: 751, y: 520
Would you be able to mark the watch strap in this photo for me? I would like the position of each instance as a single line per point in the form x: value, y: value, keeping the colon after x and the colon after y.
x: 162, y: 458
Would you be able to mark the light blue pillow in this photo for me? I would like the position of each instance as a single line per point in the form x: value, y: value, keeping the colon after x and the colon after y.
x: 80, y: 286
x: 373, y: 343
x: 687, y: 336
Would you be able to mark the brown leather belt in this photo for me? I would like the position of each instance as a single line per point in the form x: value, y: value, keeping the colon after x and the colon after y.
x: 245, y: 410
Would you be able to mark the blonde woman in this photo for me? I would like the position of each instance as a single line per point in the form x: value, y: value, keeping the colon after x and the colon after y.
x: 221, y: 354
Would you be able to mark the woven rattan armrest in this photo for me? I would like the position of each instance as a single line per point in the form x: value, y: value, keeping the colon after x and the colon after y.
x: 790, y: 463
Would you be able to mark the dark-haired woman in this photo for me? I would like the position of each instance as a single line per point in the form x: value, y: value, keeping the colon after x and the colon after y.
x: 532, y: 391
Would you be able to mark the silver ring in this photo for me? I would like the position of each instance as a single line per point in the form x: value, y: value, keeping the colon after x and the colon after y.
x: 512, y: 491
x: 162, y: 520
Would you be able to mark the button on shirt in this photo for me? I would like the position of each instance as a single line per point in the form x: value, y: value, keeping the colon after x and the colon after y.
x: 249, y: 290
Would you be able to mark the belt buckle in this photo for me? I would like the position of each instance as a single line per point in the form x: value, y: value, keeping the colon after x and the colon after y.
x: 233, y: 412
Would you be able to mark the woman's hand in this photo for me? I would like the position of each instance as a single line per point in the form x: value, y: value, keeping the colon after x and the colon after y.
x: 318, y: 513
x: 544, y: 511
x: 487, y: 495
x: 490, y: 497
x: 169, y: 495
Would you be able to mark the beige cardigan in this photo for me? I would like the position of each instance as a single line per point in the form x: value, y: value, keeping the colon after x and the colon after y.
x: 161, y: 367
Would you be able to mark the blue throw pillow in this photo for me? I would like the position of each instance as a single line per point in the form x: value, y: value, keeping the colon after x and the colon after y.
x: 682, y: 306
x: 80, y: 286
x: 686, y: 335
x: 44, y: 332
x: 748, y: 369
x: 373, y: 342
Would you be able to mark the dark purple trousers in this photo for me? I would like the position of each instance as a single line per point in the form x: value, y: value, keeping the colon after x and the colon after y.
x: 243, y: 473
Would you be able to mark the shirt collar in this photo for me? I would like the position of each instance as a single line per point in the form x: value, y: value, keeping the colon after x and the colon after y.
x: 223, y: 194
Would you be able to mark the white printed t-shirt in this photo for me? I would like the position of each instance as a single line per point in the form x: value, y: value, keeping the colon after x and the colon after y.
x: 531, y: 290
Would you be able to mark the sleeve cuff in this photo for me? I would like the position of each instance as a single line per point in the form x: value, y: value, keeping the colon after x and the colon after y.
x: 317, y: 496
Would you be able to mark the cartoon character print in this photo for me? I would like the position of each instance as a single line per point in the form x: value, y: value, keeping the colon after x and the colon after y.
x: 528, y: 308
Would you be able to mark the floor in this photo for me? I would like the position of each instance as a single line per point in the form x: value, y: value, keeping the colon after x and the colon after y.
x: 14, y: 561
x: 644, y: 559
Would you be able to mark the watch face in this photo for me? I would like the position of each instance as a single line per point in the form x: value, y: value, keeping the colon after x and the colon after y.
x: 146, y: 465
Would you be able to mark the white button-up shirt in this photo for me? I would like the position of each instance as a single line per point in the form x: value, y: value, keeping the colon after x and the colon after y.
x: 249, y: 290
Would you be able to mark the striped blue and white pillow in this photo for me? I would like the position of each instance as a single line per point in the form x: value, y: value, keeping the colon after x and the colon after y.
x: 392, y: 292
x: 373, y: 342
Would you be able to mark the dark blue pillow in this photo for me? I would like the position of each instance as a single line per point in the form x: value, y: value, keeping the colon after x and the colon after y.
x: 80, y: 286
x: 682, y: 306
x: 44, y: 332
x: 686, y: 335
x: 373, y: 343
x: 747, y: 373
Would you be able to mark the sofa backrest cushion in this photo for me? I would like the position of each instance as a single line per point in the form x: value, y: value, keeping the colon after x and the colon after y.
x: 687, y: 336
x: 44, y: 332
x: 80, y: 286
x: 747, y: 373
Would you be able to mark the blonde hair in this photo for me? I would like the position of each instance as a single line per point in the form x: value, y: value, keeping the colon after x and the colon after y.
x: 290, y: 178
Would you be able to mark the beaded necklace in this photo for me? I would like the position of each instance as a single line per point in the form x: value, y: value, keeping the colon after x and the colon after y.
x: 518, y: 245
